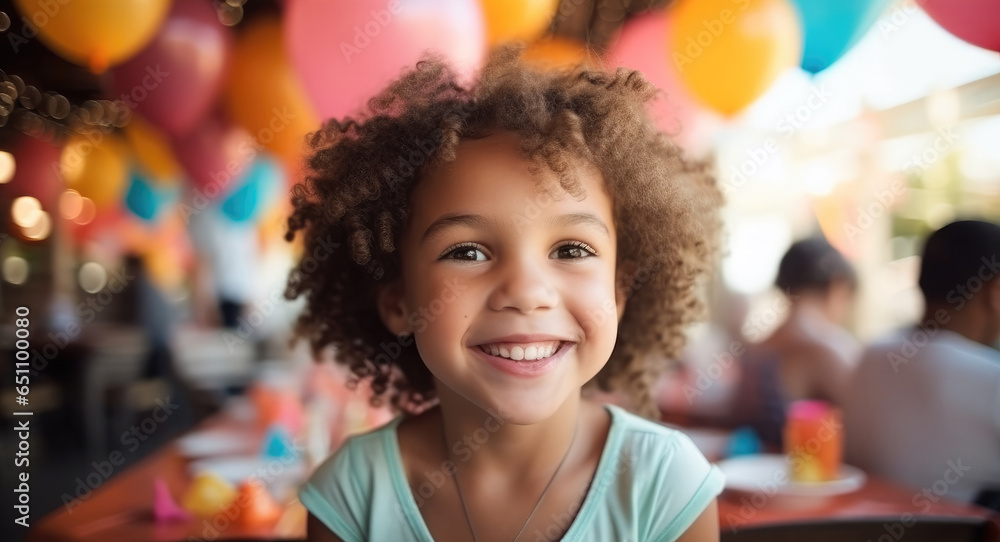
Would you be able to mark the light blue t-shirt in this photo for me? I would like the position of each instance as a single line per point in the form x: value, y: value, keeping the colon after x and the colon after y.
x: 651, y: 484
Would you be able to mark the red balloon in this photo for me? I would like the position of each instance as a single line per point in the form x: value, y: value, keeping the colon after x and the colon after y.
x: 174, y: 81
x: 36, y: 173
x: 975, y: 21
x: 215, y: 155
x: 346, y: 52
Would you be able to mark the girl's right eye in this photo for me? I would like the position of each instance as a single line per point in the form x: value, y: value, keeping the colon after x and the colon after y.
x: 464, y: 252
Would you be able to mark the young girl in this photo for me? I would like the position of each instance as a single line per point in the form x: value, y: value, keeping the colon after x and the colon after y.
x: 495, y: 249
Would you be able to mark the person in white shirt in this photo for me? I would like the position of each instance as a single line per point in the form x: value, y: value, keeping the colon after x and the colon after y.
x: 229, y: 251
x: 924, y: 405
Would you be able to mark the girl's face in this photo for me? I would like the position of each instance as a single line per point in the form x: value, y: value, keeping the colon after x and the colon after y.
x: 508, y: 283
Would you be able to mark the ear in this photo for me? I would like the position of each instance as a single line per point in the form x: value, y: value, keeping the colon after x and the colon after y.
x: 624, y: 282
x: 391, y: 308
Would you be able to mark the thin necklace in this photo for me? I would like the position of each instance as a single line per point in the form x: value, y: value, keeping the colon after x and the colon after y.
x: 537, y: 504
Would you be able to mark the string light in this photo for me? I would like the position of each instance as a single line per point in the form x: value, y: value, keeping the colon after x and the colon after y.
x: 70, y: 204
x: 7, y: 167
x: 40, y: 229
x: 87, y: 212
x: 92, y: 277
x: 26, y: 211
x: 43, y: 115
x: 15, y: 270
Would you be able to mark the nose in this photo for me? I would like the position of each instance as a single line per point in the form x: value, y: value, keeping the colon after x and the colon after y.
x: 523, y: 285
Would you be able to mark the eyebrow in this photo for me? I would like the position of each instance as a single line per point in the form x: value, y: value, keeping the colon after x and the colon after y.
x: 482, y: 222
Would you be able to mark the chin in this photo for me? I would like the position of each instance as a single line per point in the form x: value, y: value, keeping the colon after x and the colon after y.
x: 524, y: 408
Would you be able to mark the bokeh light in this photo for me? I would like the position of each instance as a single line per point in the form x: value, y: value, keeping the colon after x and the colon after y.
x: 15, y: 270
x: 70, y: 204
x: 40, y: 229
x: 7, y: 167
x: 26, y: 211
x: 87, y: 212
x: 92, y: 277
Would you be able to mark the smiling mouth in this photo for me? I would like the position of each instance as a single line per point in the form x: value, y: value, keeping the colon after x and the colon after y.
x: 523, y: 351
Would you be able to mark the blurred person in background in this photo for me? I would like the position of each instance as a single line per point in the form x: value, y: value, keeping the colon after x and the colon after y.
x: 146, y: 306
x: 810, y: 355
x: 227, y: 266
x: 924, y: 408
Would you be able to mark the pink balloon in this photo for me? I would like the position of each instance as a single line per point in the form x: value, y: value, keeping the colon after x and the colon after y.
x: 346, y: 52
x: 36, y: 172
x: 642, y: 45
x: 174, y: 80
x: 975, y: 21
x: 215, y: 155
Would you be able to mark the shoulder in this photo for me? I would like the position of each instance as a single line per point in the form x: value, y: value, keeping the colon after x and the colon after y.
x: 977, y: 356
x: 355, y: 454
x: 339, y: 492
x: 828, y: 354
x: 652, y: 446
x: 663, y: 472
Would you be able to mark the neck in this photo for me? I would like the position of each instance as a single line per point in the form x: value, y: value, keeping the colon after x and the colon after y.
x: 805, y: 316
x: 488, y: 443
x: 968, y: 322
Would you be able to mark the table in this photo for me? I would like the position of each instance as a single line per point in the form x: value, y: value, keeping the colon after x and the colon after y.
x: 878, y: 500
x: 120, y: 509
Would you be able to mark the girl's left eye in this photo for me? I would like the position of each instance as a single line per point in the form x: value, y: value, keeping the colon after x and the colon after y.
x: 465, y: 253
x: 574, y: 250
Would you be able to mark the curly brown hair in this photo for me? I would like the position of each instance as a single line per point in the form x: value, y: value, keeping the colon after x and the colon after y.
x: 360, y: 172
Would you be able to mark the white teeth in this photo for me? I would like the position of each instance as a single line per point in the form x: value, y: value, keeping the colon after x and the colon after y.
x: 518, y: 353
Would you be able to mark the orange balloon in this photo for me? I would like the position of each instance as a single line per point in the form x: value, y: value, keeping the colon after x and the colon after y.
x: 152, y: 150
x: 168, y: 255
x: 558, y: 52
x: 96, y: 166
x: 729, y: 52
x: 96, y: 34
x: 257, y: 507
x: 263, y: 94
x: 517, y: 20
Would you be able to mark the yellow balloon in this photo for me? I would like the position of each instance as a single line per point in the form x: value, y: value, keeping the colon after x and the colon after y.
x: 167, y: 255
x: 558, y: 52
x: 208, y: 495
x: 729, y: 52
x: 263, y: 94
x: 96, y: 168
x: 95, y: 33
x: 152, y: 150
x: 517, y: 20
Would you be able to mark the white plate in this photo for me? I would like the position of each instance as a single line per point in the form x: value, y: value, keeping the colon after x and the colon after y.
x: 236, y: 469
x: 213, y: 442
x: 769, y: 474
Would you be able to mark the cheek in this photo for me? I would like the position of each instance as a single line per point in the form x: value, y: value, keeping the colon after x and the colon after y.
x: 591, y: 300
x: 439, y: 304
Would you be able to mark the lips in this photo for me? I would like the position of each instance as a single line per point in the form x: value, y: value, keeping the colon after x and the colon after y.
x: 523, y: 346
x: 524, y: 368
